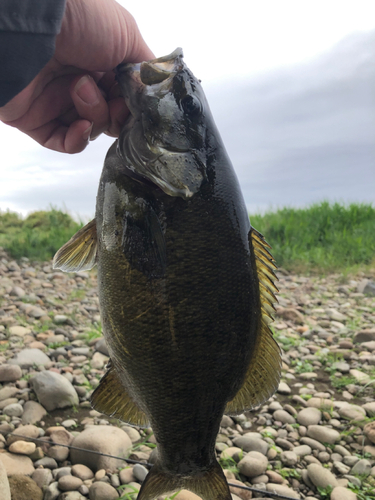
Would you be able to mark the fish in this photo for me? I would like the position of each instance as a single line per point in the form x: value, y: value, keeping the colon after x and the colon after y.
x: 186, y: 285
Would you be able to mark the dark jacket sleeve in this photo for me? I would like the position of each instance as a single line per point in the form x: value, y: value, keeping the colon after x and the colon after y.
x: 28, y: 29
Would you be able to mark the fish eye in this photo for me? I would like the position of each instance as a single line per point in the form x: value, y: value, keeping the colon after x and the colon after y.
x: 191, y: 105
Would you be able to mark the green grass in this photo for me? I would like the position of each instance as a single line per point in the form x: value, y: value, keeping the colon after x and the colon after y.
x: 325, y: 237
x: 38, y: 236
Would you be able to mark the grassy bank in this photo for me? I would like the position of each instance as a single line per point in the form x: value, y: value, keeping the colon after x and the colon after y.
x: 38, y: 236
x: 323, y: 237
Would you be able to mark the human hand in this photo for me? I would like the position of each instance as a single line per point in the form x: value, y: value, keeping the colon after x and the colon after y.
x: 75, y: 96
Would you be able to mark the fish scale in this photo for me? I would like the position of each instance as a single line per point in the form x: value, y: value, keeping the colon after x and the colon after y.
x: 186, y: 285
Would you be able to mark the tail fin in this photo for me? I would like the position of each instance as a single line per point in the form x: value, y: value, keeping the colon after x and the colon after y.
x: 209, y: 485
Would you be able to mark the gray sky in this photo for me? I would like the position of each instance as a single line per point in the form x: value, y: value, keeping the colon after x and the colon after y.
x: 291, y: 89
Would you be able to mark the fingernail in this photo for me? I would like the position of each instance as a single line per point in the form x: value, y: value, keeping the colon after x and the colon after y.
x: 86, y: 89
x: 87, y: 132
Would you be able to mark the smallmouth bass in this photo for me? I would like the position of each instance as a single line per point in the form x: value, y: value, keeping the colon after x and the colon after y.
x: 186, y: 285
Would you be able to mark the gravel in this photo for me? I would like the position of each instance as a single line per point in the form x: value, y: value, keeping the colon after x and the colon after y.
x: 317, y: 431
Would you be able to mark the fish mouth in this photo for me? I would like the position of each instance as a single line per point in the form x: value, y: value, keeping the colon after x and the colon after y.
x: 155, y: 71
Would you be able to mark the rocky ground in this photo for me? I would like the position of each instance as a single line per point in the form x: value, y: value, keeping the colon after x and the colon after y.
x: 315, y: 439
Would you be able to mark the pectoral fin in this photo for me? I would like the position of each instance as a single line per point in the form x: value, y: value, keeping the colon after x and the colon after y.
x: 144, y: 242
x: 79, y: 253
x: 264, y: 371
x: 111, y: 398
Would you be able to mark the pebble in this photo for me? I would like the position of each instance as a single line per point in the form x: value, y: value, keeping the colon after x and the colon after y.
x: 4, y: 483
x: 320, y: 476
x: 103, y: 439
x: 10, y: 373
x: 69, y: 483
x: 54, y: 391
x: 27, y: 358
x: 102, y: 491
x: 81, y: 471
x: 341, y: 493
x: 323, y: 434
x: 140, y: 472
x: 253, y: 464
x: 22, y: 447
x: 309, y: 416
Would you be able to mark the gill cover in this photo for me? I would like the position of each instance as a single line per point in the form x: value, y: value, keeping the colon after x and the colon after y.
x: 164, y: 138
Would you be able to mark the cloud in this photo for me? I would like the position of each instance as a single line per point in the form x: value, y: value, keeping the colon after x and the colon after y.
x: 305, y: 133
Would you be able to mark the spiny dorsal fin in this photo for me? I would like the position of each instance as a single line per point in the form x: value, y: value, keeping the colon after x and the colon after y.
x: 263, y: 374
x: 111, y: 398
x: 79, y: 253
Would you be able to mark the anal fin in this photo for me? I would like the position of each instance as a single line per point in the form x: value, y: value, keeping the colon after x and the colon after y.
x: 264, y: 371
x: 111, y: 398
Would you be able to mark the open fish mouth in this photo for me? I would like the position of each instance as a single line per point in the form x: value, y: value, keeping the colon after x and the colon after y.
x: 156, y: 70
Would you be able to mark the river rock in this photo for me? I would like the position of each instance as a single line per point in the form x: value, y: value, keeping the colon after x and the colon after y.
x: 253, y: 464
x: 10, y: 373
x: 320, y: 476
x: 8, y: 392
x: 369, y: 408
x: 104, y: 439
x: 72, y: 495
x: 22, y: 447
x: 19, y: 331
x: 83, y: 472
x: 284, y: 417
x: 352, y: 412
x: 17, y: 464
x: 27, y: 358
x: 4, y: 483
x: 13, y: 410
x: 250, y: 442
x: 33, y: 412
x: 284, y: 388
x: 22, y: 488
x: 369, y: 431
x: 281, y: 489
x: 341, y: 493
x: 101, y: 346
x: 361, y: 468
x: 69, y: 483
x: 289, y: 458
x: 323, y: 434
x: 309, y: 416
x: 102, y: 491
x: 54, y: 391
x: 364, y: 336
x: 42, y: 477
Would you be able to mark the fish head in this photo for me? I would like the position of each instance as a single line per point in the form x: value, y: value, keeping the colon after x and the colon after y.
x: 163, y: 139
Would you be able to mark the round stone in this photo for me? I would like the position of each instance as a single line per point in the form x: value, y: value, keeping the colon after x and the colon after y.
x: 341, y: 493
x: 13, y: 410
x: 289, y: 458
x: 323, y: 434
x: 81, y: 471
x: 320, y: 476
x: 284, y: 417
x: 69, y: 483
x: 102, y: 491
x: 253, y: 464
x: 22, y: 447
x: 309, y: 416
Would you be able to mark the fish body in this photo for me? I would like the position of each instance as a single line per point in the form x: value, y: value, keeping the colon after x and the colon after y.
x: 185, y: 283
